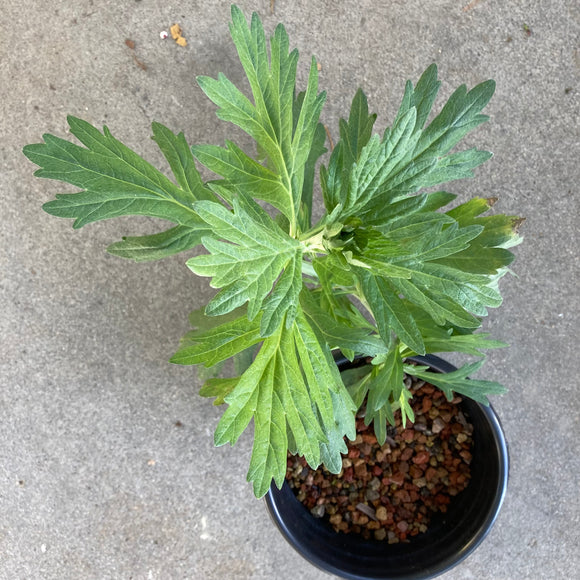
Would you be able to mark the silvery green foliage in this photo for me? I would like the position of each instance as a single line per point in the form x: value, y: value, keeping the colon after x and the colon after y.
x: 424, y: 273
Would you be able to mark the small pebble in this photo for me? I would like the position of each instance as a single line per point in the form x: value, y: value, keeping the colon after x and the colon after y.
x: 438, y: 425
x: 367, y: 510
x: 318, y: 511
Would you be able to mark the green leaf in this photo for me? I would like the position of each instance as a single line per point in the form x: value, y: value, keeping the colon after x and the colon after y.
x: 389, y: 311
x: 257, y: 263
x: 236, y: 108
x: 358, y: 388
x: 388, y: 383
x: 331, y: 181
x: 479, y: 259
x: 471, y: 291
x: 406, y: 409
x: 376, y: 163
x: 284, y: 133
x: 443, y: 242
x: 213, y: 344
x: 178, y: 155
x: 457, y: 382
x: 157, y: 246
x: 421, y: 97
x: 332, y: 300
x: 306, y: 127
x: 467, y: 343
x: 458, y: 117
x: 115, y: 180
x: 441, y: 308
x: 437, y: 200
x: 354, y: 135
x: 270, y: 440
x: 316, y: 151
x: 333, y: 403
x: 331, y: 453
x: 379, y: 418
x: 219, y: 388
x: 284, y: 396
x: 500, y: 231
x: 409, y: 157
x: 243, y: 400
x: 332, y: 272
x: 350, y: 338
x: 385, y: 388
x: 244, y: 359
x: 424, y: 202
x: 414, y: 227
x: 430, y: 284
x: 247, y: 174
x: 456, y: 166
x: 487, y: 254
x: 298, y: 405
x: 256, y: 396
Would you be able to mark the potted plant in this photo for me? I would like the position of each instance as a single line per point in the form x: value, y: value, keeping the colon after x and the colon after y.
x: 388, y: 271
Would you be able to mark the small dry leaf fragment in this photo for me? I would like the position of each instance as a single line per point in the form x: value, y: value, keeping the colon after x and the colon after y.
x: 318, y: 66
x: 176, y: 34
x: 329, y: 137
x: 131, y: 44
x: 175, y: 31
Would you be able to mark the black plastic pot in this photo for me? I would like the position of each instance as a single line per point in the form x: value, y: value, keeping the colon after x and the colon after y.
x: 451, y: 537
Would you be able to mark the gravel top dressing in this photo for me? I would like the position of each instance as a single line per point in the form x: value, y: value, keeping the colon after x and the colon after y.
x: 390, y: 491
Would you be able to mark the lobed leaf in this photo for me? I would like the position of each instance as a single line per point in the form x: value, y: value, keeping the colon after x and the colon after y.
x: 212, y: 345
x: 117, y: 182
x: 458, y: 382
x: 218, y: 388
x: 350, y: 338
x: 389, y: 311
x: 256, y: 263
x: 283, y: 128
x: 409, y: 157
x: 295, y: 394
x: 157, y: 246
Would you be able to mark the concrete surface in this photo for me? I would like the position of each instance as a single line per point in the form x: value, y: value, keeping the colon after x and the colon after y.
x: 97, y: 478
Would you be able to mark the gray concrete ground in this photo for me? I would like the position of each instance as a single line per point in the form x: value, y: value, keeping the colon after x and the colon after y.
x: 107, y: 468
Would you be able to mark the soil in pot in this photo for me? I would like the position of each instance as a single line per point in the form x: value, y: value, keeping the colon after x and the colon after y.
x: 389, y: 492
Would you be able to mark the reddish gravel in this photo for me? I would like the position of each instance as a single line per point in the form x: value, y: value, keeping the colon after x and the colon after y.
x: 390, y: 491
